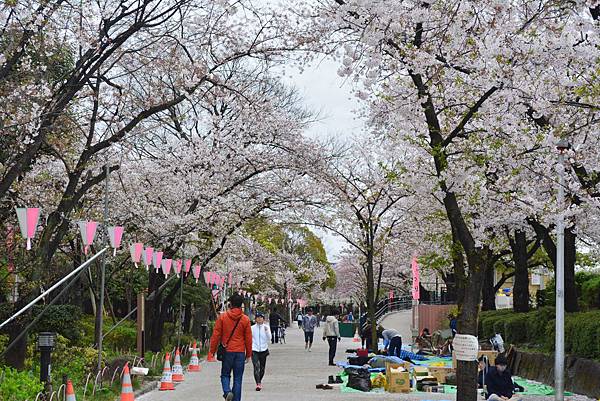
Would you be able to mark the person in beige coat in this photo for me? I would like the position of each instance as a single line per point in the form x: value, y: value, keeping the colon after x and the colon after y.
x: 331, y: 333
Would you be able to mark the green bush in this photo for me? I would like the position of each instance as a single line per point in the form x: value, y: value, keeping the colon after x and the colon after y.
x: 515, y: 328
x: 582, y: 334
x: 590, y: 292
x: 62, y: 319
x: 536, y: 324
x: 18, y: 386
x: 488, y: 320
x: 123, y: 338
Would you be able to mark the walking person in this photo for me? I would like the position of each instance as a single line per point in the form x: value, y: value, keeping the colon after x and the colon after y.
x: 275, y: 320
x: 309, y: 322
x: 232, y: 331
x: 331, y: 333
x: 299, y: 319
x: 261, y: 336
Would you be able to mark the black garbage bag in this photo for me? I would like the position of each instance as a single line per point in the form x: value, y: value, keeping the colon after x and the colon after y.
x: 359, y: 379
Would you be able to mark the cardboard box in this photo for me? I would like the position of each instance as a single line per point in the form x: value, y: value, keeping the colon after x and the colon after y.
x: 440, y: 373
x: 490, y: 354
x: 420, y: 371
x: 398, y: 382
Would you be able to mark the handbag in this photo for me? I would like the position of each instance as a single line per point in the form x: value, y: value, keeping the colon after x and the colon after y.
x: 222, y: 349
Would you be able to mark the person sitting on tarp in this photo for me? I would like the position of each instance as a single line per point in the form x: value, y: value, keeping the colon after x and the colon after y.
x: 392, y: 342
x: 500, y: 386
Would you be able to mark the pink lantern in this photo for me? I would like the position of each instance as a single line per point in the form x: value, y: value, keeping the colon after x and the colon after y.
x: 207, y: 278
x: 147, y: 256
x: 197, y: 272
x: 88, y: 233
x: 166, y: 266
x: 178, y: 264
x: 188, y: 264
x: 115, y: 235
x: 230, y: 279
x: 136, y: 252
x: 157, y: 260
x: 28, y: 220
x: 222, y: 281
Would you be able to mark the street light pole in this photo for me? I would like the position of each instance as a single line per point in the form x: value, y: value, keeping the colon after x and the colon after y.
x: 99, y: 314
x: 559, y: 358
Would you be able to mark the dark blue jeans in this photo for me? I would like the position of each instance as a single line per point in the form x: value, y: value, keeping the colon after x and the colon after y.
x: 395, y: 347
x: 233, y: 361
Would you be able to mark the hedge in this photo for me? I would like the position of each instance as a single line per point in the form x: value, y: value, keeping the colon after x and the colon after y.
x: 536, y: 328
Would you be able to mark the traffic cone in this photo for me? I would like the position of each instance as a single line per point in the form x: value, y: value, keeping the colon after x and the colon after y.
x: 356, y: 338
x: 70, y: 393
x: 194, y: 365
x: 126, y: 387
x: 166, y: 381
x: 177, y: 368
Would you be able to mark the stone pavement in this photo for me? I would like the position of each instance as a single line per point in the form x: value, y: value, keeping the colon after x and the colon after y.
x: 292, y: 374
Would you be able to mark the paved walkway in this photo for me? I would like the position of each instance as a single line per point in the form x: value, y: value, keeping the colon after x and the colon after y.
x: 292, y: 374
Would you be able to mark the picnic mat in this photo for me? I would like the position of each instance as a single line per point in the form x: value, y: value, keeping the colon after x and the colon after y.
x: 531, y: 388
x: 436, y: 362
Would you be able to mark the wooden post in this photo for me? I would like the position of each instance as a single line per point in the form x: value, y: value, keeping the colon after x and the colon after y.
x: 141, y: 309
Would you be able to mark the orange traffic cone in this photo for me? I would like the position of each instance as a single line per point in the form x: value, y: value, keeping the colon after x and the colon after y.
x: 194, y: 365
x: 166, y: 382
x: 356, y: 338
x: 70, y: 393
x: 126, y: 387
x: 177, y: 368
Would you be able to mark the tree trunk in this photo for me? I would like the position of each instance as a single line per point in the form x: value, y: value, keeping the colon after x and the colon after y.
x: 16, y: 357
x: 187, y: 321
x: 521, y: 287
x: 371, y: 301
x: 489, y: 291
x: 571, y: 301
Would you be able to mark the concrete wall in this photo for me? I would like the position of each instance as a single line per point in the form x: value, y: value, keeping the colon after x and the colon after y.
x: 581, y: 375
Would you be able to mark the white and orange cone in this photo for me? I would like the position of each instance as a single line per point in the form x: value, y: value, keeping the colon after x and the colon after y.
x: 166, y: 382
x: 70, y: 393
x: 194, y: 365
x: 126, y: 387
x: 177, y: 368
x: 356, y: 338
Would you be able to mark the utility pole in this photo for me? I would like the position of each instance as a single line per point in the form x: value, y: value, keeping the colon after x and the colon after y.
x: 100, y: 308
x: 559, y: 356
x: 180, y: 331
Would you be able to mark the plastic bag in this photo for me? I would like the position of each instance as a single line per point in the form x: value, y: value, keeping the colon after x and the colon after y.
x: 359, y: 379
x: 378, y: 381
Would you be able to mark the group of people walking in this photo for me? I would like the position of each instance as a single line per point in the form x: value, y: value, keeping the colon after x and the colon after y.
x: 236, y: 341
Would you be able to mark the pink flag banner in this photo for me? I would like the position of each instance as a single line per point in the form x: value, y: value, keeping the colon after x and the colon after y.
x: 157, y: 260
x: 115, y: 235
x: 416, y: 293
x: 230, y: 279
x: 147, y: 257
x: 222, y: 281
x: 136, y: 252
x: 178, y: 264
x: 196, y: 273
x: 188, y: 265
x: 391, y: 295
x: 28, y: 220
x: 166, y: 266
x: 88, y: 233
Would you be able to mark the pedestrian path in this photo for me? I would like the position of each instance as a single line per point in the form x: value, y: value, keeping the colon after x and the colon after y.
x: 291, y: 374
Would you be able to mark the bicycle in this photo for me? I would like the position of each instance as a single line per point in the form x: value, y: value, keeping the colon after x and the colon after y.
x: 282, y: 334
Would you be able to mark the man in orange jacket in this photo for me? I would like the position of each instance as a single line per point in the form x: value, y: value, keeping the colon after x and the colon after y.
x: 232, y: 329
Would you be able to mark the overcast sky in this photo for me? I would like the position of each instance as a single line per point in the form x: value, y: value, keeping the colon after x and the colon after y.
x: 326, y: 92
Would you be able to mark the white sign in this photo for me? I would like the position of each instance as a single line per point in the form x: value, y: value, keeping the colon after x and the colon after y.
x: 466, y: 347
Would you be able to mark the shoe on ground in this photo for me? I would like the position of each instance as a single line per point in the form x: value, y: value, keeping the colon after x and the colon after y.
x: 228, y: 396
x: 327, y: 387
x: 258, y: 387
x: 330, y: 380
x: 319, y: 386
x: 338, y: 380
x: 332, y: 364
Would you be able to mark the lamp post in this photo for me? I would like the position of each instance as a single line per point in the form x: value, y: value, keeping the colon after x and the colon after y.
x: 45, y: 346
x: 559, y: 358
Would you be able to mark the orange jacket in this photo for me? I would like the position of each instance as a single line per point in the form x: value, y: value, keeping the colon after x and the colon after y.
x: 241, y: 341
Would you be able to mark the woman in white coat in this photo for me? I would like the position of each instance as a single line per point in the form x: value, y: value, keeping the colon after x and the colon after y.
x: 261, y: 336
